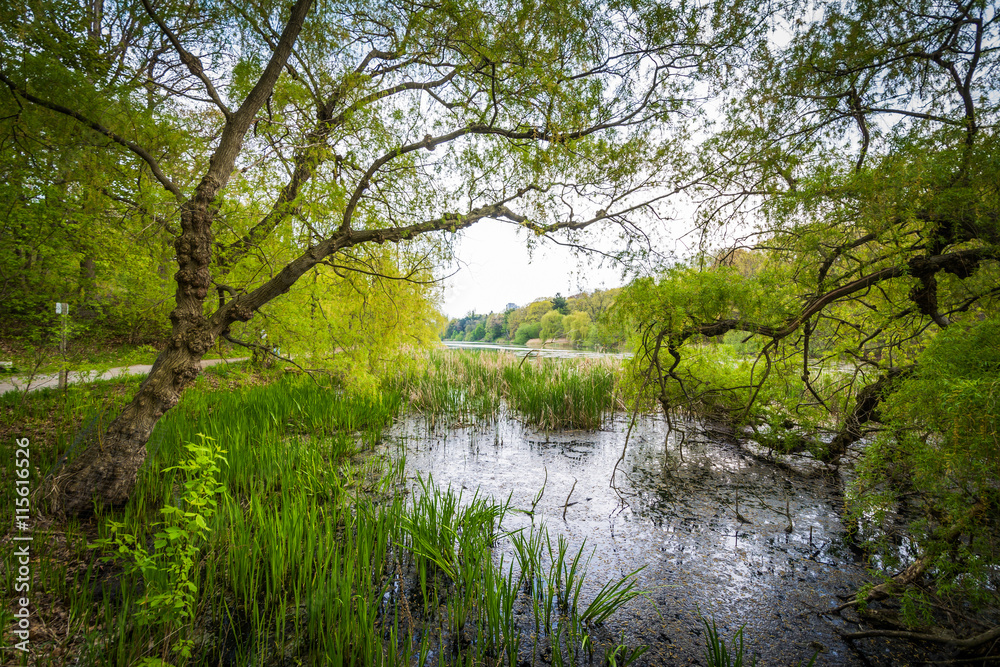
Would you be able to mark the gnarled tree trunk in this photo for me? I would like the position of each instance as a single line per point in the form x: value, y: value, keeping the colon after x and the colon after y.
x: 106, y: 471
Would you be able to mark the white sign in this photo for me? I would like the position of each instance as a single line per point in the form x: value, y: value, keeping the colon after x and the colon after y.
x: 62, y: 309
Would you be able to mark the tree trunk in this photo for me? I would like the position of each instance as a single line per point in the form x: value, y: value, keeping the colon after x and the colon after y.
x: 107, y: 469
x: 866, y: 409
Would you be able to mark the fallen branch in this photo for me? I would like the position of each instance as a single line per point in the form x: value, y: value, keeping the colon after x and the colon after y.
x: 566, y: 504
x: 888, y: 588
x: 990, y: 635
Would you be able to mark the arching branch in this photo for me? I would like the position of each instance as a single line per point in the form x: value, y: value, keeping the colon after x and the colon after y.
x: 192, y: 61
x: 154, y: 165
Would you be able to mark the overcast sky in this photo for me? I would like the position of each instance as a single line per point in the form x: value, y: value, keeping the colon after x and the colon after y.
x: 495, y: 268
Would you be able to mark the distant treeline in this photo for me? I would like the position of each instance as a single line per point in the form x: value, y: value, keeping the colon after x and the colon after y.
x: 581, y: 320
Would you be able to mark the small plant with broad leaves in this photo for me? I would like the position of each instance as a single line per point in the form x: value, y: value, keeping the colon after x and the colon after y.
x: 168, y: 570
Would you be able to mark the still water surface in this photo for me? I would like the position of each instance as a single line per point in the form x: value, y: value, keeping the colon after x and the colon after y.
x: 549, y: 351
x: 720, y: 533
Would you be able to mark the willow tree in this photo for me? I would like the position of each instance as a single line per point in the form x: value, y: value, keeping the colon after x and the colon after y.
x: 287, y: 139
x: 859, y: 168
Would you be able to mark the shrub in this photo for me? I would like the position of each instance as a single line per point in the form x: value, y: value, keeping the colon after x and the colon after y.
x: 527, y: 331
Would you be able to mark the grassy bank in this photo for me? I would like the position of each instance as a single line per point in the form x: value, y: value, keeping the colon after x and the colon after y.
x: 87, y: 356
x: 270, y: 526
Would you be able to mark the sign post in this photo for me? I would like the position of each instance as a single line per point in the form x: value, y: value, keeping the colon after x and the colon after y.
x: 63, y: 309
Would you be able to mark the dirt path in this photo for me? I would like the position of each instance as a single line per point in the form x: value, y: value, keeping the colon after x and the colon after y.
x: 24, y: 383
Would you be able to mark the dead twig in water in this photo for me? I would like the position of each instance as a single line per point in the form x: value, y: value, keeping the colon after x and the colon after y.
x: 628, y: 434
x: 530, y: 352
x: 541, y: 492
x: 566, y: 504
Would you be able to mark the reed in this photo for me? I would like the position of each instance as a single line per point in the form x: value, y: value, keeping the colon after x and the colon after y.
x: 716, y: 652
x: 553, y: 394
x: 553, y: 578
x: 548, y: 394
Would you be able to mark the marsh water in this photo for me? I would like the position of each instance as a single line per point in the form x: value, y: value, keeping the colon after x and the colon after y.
x: 720, y: 533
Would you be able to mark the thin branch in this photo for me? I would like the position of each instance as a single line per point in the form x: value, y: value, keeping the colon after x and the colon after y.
x: 968, y: 643
x: 266, y: 350
x: 154, y: 166
x: 192, y: 61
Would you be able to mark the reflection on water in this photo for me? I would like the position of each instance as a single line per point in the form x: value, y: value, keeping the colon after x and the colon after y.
x: 718, y: 532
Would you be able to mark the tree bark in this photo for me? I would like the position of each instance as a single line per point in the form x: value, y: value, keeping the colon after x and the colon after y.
x: 106, y: 471
x: 866, y: 409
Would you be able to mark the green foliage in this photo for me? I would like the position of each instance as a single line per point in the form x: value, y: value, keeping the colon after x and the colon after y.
x: 689, y: 294
x: 587, y: 324
x: 716, y: 653
x: 577, y: 327
x: 555, y: 395
x: 553, y: 578
x: 560, y: 304
x: 169, y: 570
x: 358, y: 327
x: 916, y: 608
x: 479, y: 332
x: 942, y: 450
x: 552, y: 325
x: 528, y: 331
x: 727, y: 379
x: 862, y: 298
x: 303, y: 525
x: 623, y: 655
x: 107, y: 140
x: 548, y: 394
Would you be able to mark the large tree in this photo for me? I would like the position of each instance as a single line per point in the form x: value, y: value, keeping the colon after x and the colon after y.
x: 286, y: 140
x: 859, y: 169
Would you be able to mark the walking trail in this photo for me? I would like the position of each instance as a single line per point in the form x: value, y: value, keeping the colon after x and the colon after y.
x: 28, y: 383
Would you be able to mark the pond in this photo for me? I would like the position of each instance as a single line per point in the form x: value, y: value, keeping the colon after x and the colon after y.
x: 720, y: 533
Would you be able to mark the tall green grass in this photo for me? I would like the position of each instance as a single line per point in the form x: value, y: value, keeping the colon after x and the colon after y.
x: 717, y: 654
x: 554, y: 394
x: 547, y: 393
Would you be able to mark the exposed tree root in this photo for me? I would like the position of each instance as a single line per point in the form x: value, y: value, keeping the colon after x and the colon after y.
x: 889, y: 588
x: 942, y: 637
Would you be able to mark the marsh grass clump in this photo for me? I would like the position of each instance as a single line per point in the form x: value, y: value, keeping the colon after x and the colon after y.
x: 717, y: 654
x: 548, y: 394
x: 553, y: 394
x: 458, y: 385
x: 552, y: 575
